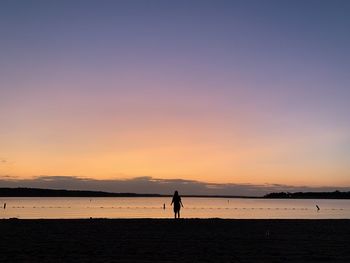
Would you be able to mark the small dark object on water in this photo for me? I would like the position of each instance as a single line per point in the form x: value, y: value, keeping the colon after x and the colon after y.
x: 318, y: 208
x: 164, y: 206
x: 4, y: 205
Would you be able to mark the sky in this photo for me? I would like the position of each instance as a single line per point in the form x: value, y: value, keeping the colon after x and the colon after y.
x: 216, y: 93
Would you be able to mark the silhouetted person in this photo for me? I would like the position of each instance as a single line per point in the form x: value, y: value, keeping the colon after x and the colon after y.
x: 5, y: 206
x: 164, y: 206
x: 318, y: 208
x: 177, y: 204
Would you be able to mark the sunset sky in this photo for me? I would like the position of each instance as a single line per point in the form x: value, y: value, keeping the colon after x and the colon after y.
x: 224, y: 92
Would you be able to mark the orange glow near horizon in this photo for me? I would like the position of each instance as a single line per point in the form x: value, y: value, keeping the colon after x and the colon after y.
x: 193, y: 153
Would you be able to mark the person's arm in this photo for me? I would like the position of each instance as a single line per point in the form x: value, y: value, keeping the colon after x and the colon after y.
x: 181, y: 203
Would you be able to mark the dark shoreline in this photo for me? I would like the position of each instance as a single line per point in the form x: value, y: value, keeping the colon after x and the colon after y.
x: 40, y: 192
x: 169, y: 240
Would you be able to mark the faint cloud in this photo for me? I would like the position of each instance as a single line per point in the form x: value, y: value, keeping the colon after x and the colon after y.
x: 7, y: 176
x: 57, y: 178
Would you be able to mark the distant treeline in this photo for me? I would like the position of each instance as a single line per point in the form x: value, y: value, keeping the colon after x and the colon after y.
x: 37, y: 192
x: 310, y: 195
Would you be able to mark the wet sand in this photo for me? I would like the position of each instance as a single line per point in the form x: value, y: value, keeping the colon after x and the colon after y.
x: 167, y: 240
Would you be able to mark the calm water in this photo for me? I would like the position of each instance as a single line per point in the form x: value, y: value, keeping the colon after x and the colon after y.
x: 38, y: 207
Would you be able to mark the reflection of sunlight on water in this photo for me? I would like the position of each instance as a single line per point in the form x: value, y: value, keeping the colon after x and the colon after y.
x: 153, y: 208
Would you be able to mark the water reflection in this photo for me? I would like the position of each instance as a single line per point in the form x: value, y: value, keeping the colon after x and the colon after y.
x: 154, y: 208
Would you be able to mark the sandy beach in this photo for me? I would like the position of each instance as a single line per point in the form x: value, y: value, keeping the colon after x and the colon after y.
x: 167, y: 240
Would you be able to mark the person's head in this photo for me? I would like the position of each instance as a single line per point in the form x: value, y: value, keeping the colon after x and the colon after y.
x: 176, y: 193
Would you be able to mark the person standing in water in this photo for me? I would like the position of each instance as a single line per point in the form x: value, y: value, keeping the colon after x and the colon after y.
x: 177, y: 204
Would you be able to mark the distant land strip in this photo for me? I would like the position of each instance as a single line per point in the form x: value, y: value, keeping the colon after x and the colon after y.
x: 310, y: 195
x: 38, y: 192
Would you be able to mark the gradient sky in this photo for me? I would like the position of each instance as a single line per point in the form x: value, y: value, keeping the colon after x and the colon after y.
x: 216, y: 91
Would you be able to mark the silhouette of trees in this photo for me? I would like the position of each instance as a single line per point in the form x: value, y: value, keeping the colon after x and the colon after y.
x: 310, y: 195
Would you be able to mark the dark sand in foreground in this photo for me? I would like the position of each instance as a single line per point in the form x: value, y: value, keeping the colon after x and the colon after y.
x: 166, y: 240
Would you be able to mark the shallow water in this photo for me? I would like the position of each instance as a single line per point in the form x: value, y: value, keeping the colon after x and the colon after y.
x: 152, y: 207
